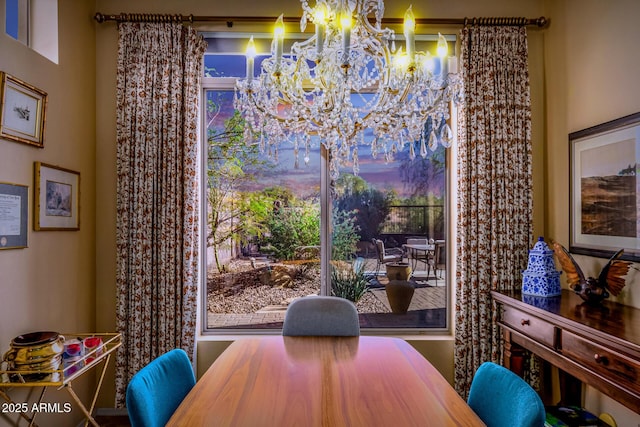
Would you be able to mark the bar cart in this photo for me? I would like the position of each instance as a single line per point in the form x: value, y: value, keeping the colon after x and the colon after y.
x: 63, y: 378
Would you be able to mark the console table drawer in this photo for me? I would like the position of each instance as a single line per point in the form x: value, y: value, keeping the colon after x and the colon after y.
x: 532, y: 326
x: 597, y: 345
x: 599, y: 359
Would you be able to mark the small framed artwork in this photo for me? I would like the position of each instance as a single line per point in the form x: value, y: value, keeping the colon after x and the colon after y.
x: 57, y: 198
x: 605, y: 191
x: 22, y: 112
x: 14, y: 207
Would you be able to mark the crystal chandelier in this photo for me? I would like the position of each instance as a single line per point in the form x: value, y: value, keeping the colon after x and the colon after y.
x: 349, y: 86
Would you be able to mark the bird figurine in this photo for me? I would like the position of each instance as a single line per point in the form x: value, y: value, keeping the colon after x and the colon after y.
x: 593, y: 290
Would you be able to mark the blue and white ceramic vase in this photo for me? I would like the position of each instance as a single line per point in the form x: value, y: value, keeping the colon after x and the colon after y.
x: 541, y: 277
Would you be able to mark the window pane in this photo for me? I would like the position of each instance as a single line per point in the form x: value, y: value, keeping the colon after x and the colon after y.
x: 229, y: 65
x: 263, y: 222
x: 263, y: 231
x: 35, y: 24
x: 12, y: 18
x: 392, y: 201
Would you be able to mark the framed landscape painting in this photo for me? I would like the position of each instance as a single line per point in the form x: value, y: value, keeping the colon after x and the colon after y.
x: 57, y: 198
x: 604, y: 202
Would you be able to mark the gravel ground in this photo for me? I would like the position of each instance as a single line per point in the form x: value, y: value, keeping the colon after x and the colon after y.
x: 242, y: 291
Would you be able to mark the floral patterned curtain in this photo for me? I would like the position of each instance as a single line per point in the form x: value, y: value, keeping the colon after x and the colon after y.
x: 158, y: 87
x: 494, y: 231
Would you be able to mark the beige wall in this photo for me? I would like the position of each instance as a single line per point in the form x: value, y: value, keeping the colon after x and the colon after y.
x: 582, y: 74
x: 591, y: 62
x: 591, y: 59
x: 51, y: 284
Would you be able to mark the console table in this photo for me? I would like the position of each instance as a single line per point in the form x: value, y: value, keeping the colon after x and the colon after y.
x: 598, y: 345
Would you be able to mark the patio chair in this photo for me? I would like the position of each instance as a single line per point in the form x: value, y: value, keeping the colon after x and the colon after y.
x: 385, y: 256
x: 439, y: 261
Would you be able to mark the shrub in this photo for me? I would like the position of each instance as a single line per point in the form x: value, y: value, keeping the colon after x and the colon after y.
x: 371, y: 205
x: 290, y: 227
x: 345, y: 235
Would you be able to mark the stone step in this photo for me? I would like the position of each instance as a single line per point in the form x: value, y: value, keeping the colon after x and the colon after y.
x: 273, y: 309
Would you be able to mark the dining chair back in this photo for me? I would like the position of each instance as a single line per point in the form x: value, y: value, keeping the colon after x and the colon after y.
x: 503, y: 399
x: 321, y: 316
x: 156, y: 391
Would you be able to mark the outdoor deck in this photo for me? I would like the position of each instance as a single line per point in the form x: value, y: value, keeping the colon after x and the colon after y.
x: 427, y: 308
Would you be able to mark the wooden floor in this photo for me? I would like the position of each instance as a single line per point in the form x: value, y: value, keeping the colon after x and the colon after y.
x: 108, y: 420
x: 113, y: 420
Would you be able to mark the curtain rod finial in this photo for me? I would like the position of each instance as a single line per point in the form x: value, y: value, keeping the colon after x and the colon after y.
x: 542, y: 22
x: 99, y: 17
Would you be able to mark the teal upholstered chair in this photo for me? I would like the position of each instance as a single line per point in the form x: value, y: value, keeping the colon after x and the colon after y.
x: 156, y: 391
x: 321, y: 316
x: 503, y: 399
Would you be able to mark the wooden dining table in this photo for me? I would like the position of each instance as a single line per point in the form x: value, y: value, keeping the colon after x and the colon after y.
x: 322, y: 381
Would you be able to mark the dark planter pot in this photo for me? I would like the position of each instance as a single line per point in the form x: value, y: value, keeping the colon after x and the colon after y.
x: 399, y: 294
x: 398, y: 271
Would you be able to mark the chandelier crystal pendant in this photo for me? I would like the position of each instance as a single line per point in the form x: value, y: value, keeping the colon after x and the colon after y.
x: 348, y: 85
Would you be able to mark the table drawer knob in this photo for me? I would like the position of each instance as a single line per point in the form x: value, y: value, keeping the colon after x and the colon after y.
x: 601, y: 359
x: 525, y: 322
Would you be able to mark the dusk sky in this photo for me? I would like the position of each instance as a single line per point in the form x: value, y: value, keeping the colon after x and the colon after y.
x: 376, y: 172
x: 609, y: 159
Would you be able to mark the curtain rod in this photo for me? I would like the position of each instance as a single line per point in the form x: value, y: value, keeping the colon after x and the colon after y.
x: 541, y: 22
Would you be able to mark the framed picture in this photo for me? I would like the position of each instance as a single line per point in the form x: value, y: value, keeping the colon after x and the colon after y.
x: 604, y: 199
x: 23, y: 110
x: 57, y: 198
x: 14, y: 207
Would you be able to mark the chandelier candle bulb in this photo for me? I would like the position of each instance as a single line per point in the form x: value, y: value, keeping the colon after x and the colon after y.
x: 410, y: 32
x: 278, y: 38
x: 401, y: 61
x: 442, y: 50
x: 437, y: 65
x: 453, y: 65
x: 428, y: 65
x: 345, y: 24
x: 320, y: 21
x: 251, y: 54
